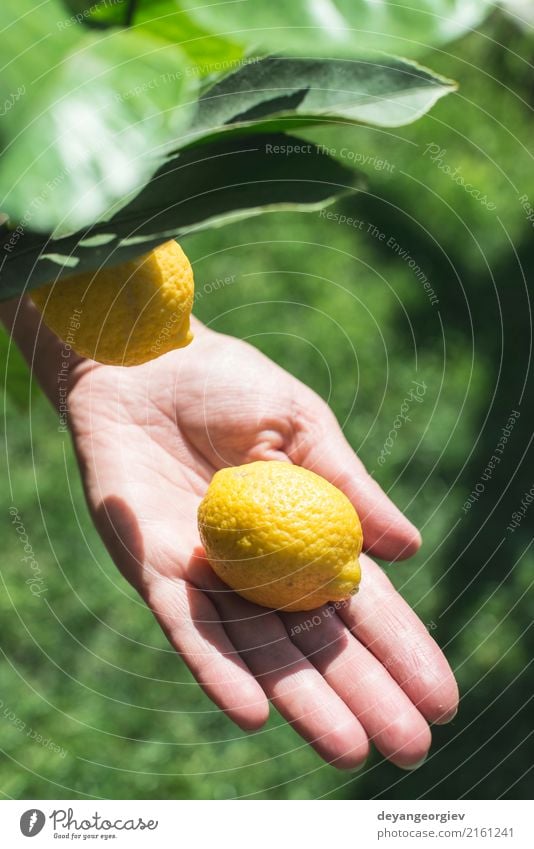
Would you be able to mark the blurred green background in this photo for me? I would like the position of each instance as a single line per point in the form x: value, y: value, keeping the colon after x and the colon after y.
x: 88, y: 669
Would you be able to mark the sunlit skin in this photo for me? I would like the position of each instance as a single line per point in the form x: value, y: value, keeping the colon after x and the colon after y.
x: 148, y: 440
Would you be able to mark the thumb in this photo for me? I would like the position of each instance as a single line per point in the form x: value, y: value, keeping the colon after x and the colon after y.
x: 320, y: 445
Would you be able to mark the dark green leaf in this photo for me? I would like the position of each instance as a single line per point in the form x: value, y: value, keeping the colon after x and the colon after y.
x: 386, y: 92
x: 199, y: 188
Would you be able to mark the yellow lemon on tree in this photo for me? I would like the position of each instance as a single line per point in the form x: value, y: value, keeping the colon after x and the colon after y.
x: 125, y: 314
x: 281, y: 536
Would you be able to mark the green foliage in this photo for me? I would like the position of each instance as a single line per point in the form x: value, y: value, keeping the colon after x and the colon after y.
x: 208, y: 52
x: 95, y: 116
x: 341, y: 27
x: 98, y: 144
x: 192, y: 191
x: 385, y: 92
x: 16, y: 383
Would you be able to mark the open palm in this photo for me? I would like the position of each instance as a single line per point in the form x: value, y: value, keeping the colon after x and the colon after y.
x: 148, y: 440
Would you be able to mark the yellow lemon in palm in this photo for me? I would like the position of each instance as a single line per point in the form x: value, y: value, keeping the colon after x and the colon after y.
x: 281, y: 536
x: 125, y: 314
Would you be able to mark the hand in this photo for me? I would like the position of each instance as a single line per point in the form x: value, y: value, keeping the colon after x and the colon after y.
x: 149, y: 440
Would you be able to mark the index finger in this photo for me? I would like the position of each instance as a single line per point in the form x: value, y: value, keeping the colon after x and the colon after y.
x: 323, y: 448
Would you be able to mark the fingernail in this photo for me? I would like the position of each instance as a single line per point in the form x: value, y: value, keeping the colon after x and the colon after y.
x: 353, y: 770
x: 447, y: 717
x: 417, y: 541
x: 413, y: 766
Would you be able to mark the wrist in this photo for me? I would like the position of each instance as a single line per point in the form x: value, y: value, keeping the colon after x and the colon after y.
x: 51, y: 361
